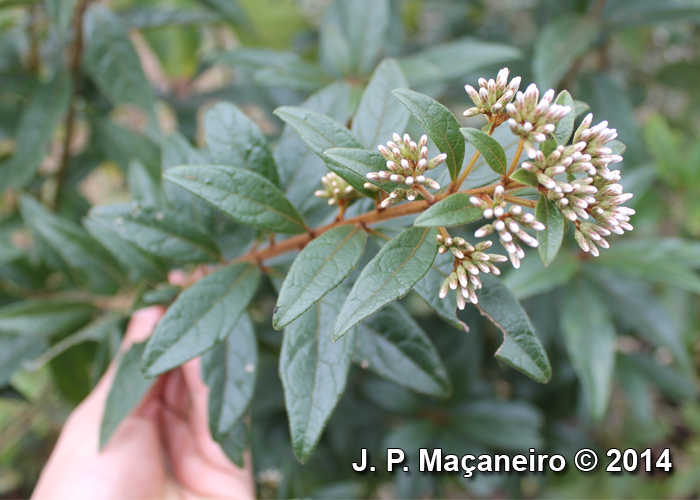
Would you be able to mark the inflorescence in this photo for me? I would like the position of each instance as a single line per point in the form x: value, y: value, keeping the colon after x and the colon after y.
x: 407, y: 162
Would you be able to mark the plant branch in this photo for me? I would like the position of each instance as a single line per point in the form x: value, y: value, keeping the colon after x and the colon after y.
x: 454, y: 186
x: 426, y: 194
x: 300, y: 241
x: 74, y: 61
x: 516, y: 158
x: 521, y: 201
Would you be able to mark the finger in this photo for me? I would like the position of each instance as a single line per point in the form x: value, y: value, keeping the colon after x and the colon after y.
x: 193, y: 471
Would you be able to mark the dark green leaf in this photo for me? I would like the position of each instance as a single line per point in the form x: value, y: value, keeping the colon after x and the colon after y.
x: 525, y: 177
x: 123, y: 145
x: 246, y: 197
x: 14, y: 351
x: 634, y: 304
x: 235, y: 443
x: 550, y: 239
x: 60, y: 13
x: 322, y: 133
x: 565, y: 127
x: 314, y: 371
x: 630, y: 12
x: 439, y: 123
x: 454, y: 210
x: 293, y: 74
x: 558, y: 46
x: 361, y: 162
x: 521, y: 348
x: 455, y: 59
x: 589, y: 335
x: 144, y: 187
x: 489, y: 148
x: 159, y: 232
x: 393, y: 345
x: 112, y: 61
x: 234, y: 139
x: 128, y: 388
x: 129, y: 255
x: 229, y: 369
x: 230, y: 9
x: 87, y: 262
x: 202, y: 315
x: 44, y: 318
x: 379, y: 115
x: 318, y: 269
x: 393, y: 272
x: 159, y: 17
x: 46, y: 106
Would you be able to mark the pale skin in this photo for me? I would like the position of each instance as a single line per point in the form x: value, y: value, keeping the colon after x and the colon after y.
x: 163, y: 450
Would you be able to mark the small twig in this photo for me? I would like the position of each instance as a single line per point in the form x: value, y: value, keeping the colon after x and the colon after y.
x: 426, y: 194
x: 454, y: 186
x: 516, y: 159
x: 443, y: 232
x: 74, y: 60
x: 521, y: 201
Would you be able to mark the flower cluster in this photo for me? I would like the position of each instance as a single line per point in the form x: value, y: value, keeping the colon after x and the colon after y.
x: 336, y: 189
x: 469, y: 261
x: 407, y: 162
x: 493, y: 95
x: 533, y: 121
x: 508, y: 223
x: 596, y: 194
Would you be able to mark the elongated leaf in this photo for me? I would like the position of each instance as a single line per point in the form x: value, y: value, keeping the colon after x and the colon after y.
x: 379, y: 115
x: 630, y: 12
x: 88, y: 263
x: 95, y: 331
x: 144, y: 187
x: 140, y: 263
x: 550, y: 239
x: 565, y: 127
x: 159, y: 232
x: 202, y: 315
x: 361, y: 162
x: 14, y: 351
x: 589, y: 335
x: 112, y: 61
x: 123, y: 145
x: 393, y: 345
x: 558, y: 45
x: 60, y: 13
x: 229, y: 370
x: 235, y: 443
x: 44, y: 318
x: 456, y: 59
x: 128, y: 388
x: 393, y: 272
x: 234, y: 139
x: 521, y: 348
x: 454, y: 210
x: 46, y: 106
x: 314, y: 371
x: 634, y: 304
x: 158, y: 17
x: 525, y: 177
x: 322, y: 133
x: 489, y: 148
x: 246, y: 197
x: 318, y: 269
x: 335, y: 52
x: 230, y: 9
x: 439, y: 123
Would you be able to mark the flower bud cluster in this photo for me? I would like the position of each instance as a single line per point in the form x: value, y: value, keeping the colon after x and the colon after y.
x: 493, y: 95
x: 533, y: 121
x: 336, y: 189
x: 406, y: 162
x: 596, y: 139
x: 611, y: 217
x: 508, y: 223
x: 469, y: 262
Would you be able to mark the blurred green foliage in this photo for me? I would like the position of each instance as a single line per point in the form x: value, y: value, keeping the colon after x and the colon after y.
x: 148, y: 70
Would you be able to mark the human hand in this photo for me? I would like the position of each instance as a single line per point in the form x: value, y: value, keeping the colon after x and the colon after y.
x: 162, y: 450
